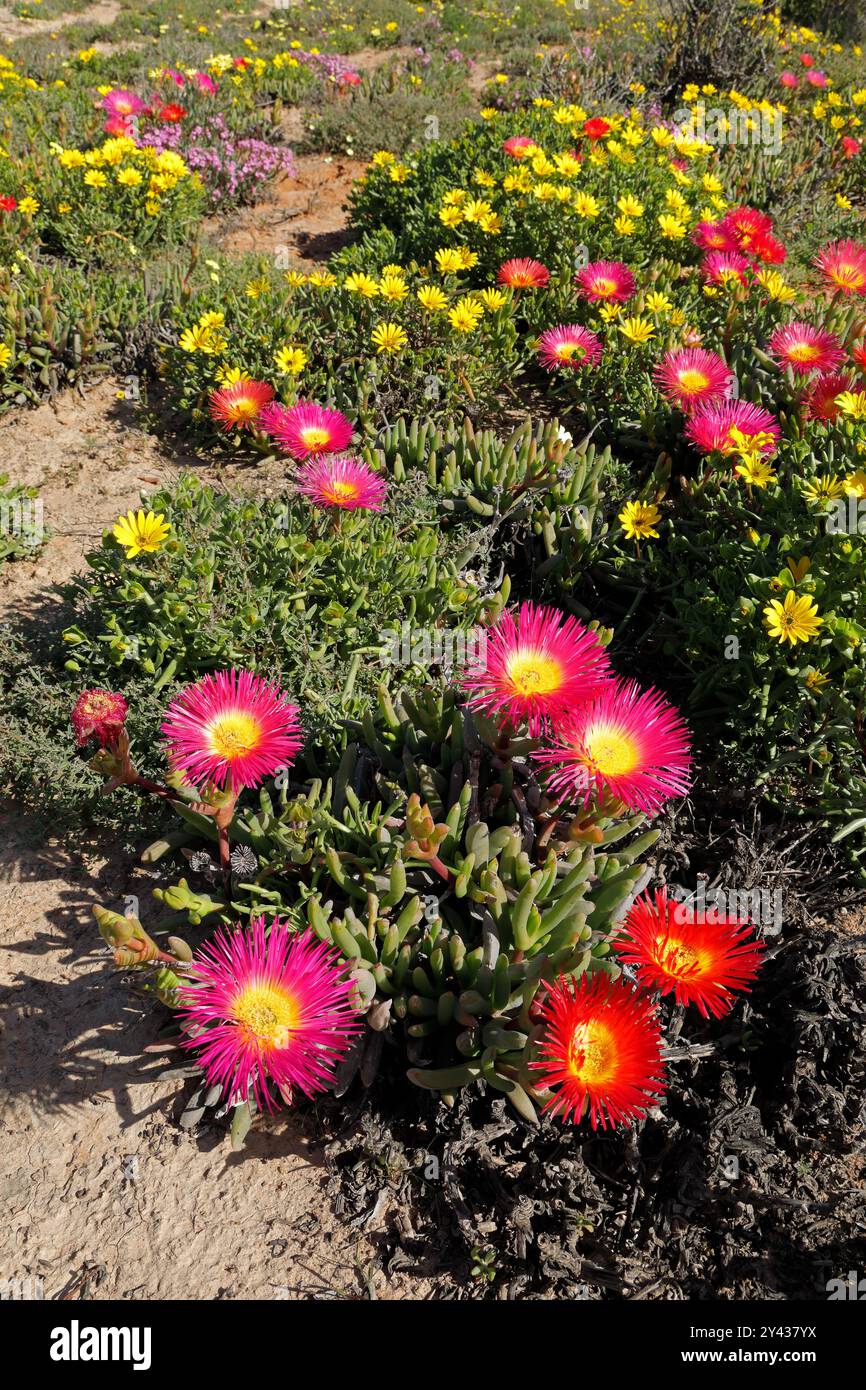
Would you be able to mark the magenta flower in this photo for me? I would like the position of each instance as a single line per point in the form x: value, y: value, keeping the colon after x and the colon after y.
x: 306, y: 428
x: 568, y: 346
x: 231, y: 727
x: 341, y: 480
x: 709, y: 428
x: 267, y: 1005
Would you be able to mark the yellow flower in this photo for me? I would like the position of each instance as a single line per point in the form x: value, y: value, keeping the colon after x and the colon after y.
x: 291, y: 360
x: 465, y: 315
x: 393, y: 287
x: 636, y: 329
x: 359, y: 283
x: 94, y: 178
x: 795, y: 620
x: 466, y: 257
x: 254, y: 289
x: 671, y: 227
x: 630, y: 206
x: 30, y: 205
x: 639, y: 520
x: 5, y: 356
x: 658, y: 303
x: 856, y: 483
x: 816, y: 680
x: 827, y: 487
x: 755, y: 470
x: 227, y: 376
x: 775, y: 287
x: 431, y: 298
x: 624, y: 226
x: 294, y: 278
x: 852, y: 404
x: 449, y: 261
x: 381, y: 158
x: 493, y: 299
x: 450, y: 216
x: 322, y: 279
x: 389, y: 337
x: 128, y: 178
x: 194, y: 339
x: 585, y: 205
x: 140, y: 532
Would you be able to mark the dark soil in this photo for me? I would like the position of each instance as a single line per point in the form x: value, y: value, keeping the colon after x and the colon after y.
x: 748, y: 1182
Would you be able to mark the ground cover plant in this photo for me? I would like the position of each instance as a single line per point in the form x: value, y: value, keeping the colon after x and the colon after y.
x: 523, y: 538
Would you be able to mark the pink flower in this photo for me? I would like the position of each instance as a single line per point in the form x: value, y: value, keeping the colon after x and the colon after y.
x: 98, y: 714
x: 691, y: 376
x: 568, y: 346
x: 709, y: 427
x: 788, y: 79
x: 122, y: 103
x: 267, y: 1005
x: 805, y: 348
x: 843, y: 265
x: 607, y: 280
x: 627, y: 744
x: 231, y: 727
x: 239, y: 405
x: 537, y: 667
x: 306, y: 428
x: 519, y: 146
x: 340, y: 480
x: 720, y: 266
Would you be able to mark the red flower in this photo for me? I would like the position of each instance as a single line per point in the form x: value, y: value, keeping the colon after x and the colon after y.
x: 850, y: 146
x: 172, y: 113
x: 596, y: 127
x: 600, y: 1051
x: 701, y: 958
x: 8, y: 204
x: 98, y: 714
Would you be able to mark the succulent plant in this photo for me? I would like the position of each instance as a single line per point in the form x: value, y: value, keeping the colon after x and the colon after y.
x: 431, y: 858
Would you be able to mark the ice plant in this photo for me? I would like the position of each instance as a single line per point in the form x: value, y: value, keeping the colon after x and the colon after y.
x: 627, y: 744
x: 523, y: 273
x: 231, y: 728
x: 537, y: 666
x: 264, y: 1005
x: 568, y: 346
x: 122, y: 104
x: 843, y: 265
x: 699, y: 957
x: 306, y: 429
x: 340, y: 480
x: 719, y: 267
x: 519, y: 146
x: 805, y: 348
x: 822, y: 398
x: 714, y: 236
x: 794, y: 620
x: 98, y: 714
x: 239, y: 405
x: 693, y: 376
x: 600, y: 1051
x: 639, y: 520
x: 141, y: 533
x: 711, y: 427
x: 607, y: 280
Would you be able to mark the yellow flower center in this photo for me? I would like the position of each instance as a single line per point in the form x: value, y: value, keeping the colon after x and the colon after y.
x: 244, y: 408
x: 848, y: 277
x: 566, y: 351
x: 804, y: 352
x: 675, y: 957
x: 612, y: 751
x: 603, y: 286
x: 693, y: 381
x: 315, y: 437
x: 592, y: 1054
x: 534, y: 673
x: 337, y: 490
x: 266, y: 1015
x: 232, y: 735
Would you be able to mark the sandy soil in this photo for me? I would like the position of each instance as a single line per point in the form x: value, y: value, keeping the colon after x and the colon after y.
x: 304, y: 216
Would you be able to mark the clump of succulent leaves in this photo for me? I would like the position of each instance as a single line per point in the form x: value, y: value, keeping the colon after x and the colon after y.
x: 431, y: 858
x: 536, y: 487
